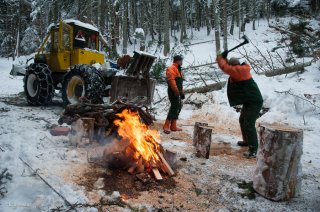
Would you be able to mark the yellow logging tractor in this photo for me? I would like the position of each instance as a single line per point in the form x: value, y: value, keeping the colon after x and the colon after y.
x: 70, y: 60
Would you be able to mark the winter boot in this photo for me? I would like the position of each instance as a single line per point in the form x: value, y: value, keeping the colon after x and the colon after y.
x: 166, y: 127
x: 242, y: 143
x: 174, y: 126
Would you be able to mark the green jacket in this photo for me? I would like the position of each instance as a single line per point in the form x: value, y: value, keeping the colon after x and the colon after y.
x: 243, y: 92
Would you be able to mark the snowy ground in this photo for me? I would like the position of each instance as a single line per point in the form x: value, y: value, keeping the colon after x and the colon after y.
x: 202, y: 185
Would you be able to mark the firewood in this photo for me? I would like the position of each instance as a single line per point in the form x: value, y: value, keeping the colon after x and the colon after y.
x: 157, y: 174
x: 196, y: 132
x: 278, y: 172
x: 167, y: 167
x: 204, y: 142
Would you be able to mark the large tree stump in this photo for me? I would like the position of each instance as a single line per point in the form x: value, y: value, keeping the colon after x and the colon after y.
x: 204, y: 142
x: 278, y: 172
x: 196, y: 130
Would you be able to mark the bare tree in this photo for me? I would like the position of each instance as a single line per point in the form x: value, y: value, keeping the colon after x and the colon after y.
x: 166, y: 27
x: 216, y: 25
x: 125, y: 27
x: 225, y: 25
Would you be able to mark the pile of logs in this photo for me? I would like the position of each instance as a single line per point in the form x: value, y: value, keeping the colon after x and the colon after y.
x: 103, y: 115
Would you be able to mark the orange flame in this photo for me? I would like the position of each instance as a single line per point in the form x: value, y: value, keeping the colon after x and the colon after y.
x: 144, y: 140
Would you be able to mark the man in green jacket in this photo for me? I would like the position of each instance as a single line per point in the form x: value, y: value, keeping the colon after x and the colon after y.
x: 242, y: 90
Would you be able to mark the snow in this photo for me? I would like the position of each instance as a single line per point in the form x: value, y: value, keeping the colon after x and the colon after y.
x: 77, y: 23
x: 24, y: 133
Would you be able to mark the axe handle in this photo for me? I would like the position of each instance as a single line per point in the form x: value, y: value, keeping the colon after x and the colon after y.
x: 241, y: 44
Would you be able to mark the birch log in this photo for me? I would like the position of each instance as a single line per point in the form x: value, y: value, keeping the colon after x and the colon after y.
x: 196, y: 132
x: 278, y: 172
x: 204, y: 142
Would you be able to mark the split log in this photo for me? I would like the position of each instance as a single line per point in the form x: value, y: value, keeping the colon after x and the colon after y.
x: 287, y: 70
x: 278, y: 172
x: 208, y: 88
x: 157, y: 174
x: 196, y: 130
x: 204, y: 142
x: 166, y: 166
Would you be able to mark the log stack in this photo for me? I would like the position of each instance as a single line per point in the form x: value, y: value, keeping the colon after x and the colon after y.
x: 278, y: 173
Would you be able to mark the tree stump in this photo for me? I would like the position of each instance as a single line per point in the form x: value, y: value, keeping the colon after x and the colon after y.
x: 196, y: 130
x: 278, y: 172
x: 203, y: 142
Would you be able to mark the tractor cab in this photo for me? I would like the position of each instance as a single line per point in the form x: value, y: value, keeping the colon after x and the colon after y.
x: 69, y: 43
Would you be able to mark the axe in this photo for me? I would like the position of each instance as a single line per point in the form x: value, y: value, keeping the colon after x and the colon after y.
x: 246, y: 40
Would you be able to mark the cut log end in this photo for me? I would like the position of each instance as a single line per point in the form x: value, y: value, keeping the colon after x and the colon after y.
x: 277, y: 175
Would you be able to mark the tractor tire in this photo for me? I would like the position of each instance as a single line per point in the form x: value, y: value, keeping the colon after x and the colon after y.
x: 38, y: 84
x: 83, y: 81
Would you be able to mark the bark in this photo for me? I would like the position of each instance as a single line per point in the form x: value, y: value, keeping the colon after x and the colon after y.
x: 288, y: 70
x: 233, y: 17
x: 125, y: 27
x: 183, y: 34
x: 205, y: 89
x: 204, y: 142
x: 197, y: 125
x: 216, y: 25
x: 278, y: 172
x: 225, y: 26
x: 254, y: 14
x: 166, y: 28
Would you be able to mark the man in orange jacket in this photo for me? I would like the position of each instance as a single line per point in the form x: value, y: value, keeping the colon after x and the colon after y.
x: 175, y: 94
x: 242, y: 90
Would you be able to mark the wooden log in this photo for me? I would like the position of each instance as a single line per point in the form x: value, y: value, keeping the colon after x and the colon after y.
x: 287, y: 70
x: 278, y: 172
x: 166, y: 165
x: 205, y: 89
x: 196, y: 130
x: 204, y: 142
x: 157, y: 174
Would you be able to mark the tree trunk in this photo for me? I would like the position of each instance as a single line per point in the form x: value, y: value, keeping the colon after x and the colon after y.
x: 205, y: 89
x: 278, y: 172
x: 233, y: 17
x: 216, y: 26
x: 166, y: 28
x: 225, y: 26
x: 254, y: 14
x: 196, y: 132
x: 183, y: 34
x: 204, y: 142
x: 287, y: 70
x: 125, y: 27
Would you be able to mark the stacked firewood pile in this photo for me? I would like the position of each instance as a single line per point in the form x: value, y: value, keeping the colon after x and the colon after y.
x: 104, y: 115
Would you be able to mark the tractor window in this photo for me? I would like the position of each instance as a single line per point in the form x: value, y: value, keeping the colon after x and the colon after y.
x: 86, y: 39
x: 55, y: 41
x: 66, y: 43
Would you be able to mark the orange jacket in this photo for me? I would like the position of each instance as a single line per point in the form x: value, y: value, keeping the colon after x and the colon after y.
x: 172, y: 73
x: 237, y: 73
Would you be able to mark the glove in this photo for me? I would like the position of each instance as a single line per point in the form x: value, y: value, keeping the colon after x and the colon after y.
x: 182, y: 96
x: 224, y: 54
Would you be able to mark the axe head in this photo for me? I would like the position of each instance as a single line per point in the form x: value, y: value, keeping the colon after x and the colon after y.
x: 246, y: 39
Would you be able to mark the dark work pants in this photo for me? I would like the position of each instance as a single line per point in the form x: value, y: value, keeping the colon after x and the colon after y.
x: 175, y: 107
x: 249, y: 115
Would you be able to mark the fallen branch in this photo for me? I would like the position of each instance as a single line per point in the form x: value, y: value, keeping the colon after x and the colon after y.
x: 208, y: 88
x: 198, y: 66
x: 287, y: 70
x: 50, y: 186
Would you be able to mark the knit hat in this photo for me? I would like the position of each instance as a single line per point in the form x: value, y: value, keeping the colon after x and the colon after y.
x: 234, y: 61
x: 177, y: 58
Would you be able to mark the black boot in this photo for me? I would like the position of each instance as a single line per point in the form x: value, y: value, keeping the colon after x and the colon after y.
x: 242, y: 143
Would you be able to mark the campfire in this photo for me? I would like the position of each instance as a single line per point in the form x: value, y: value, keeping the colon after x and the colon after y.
x: 132, y: 145
x: 143, y: 151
